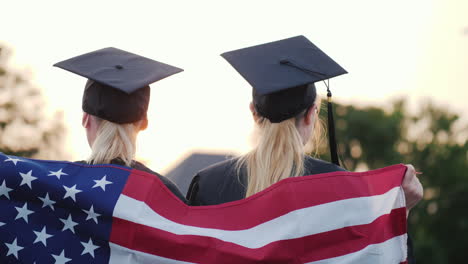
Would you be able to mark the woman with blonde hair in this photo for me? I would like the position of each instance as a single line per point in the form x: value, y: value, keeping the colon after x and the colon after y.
x: 115, y: 104
x: 284, y: 107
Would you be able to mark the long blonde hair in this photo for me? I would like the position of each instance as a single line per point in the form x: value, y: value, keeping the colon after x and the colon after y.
x: 279, y: 153
x: 114, y: 141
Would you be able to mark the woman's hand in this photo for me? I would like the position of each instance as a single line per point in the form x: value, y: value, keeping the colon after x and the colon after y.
x: 412, y: 187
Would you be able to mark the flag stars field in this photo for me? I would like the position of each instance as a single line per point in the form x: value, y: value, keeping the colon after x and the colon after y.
x: 57, y: 173
x: 56, y: 217
x: 42, y: 236
x: 71, y: 192
x: 13, y: 248
x: 23, y: 212
x: 61, y: 259
x: 89, y: 248
x: 69, y: 224
x: 47, y: 202
x: 102, y: 183
x: 91, y: 214
x: 27, y: 178
x: 4, y: 190
x: 14, y: 160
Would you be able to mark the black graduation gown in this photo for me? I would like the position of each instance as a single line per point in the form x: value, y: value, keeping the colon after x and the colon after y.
x: 220, y: 183
x: 139, y: 166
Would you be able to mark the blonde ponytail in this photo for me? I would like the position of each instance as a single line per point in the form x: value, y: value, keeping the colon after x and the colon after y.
x: 279, y: 155
x: 114, y: 141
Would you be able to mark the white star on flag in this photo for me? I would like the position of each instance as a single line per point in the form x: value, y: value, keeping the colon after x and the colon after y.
x: 4, y: 190
x: 2, y: 224
x: 69, y: 224
x: 13, y: 248
x: 27, y: 178
x: 92, y: 214
x: 61, y: 259
x: 71, y: 192
x: 12, y: 160
x: 42, y: 236
x: 89, y: 247
x: 47, y: 202
x: 23, y: 212
x: 102, y: 183
x: 57, y: 173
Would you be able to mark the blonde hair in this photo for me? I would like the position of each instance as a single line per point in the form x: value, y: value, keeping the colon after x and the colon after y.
x: 316, y: 142
x: 114, y: 141
x: 279, y: 154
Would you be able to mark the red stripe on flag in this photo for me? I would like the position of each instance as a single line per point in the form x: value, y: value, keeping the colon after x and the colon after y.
x: 357, y: 237
x: 140, y: 184
x: 271, y: 202
x: 201, y: 249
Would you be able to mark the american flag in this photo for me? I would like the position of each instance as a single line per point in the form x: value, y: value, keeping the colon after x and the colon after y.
x: 63, y: 212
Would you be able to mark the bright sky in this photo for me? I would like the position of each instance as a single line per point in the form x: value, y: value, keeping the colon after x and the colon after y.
x: 416, y: 49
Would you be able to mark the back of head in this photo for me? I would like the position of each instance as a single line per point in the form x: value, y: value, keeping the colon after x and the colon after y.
x: 117, y: 96
x: 114, y: 141
x: 115, y: 105
x: 120, y: 116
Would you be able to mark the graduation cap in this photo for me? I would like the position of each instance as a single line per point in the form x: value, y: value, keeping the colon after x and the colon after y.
x: 118, y: 82
x: 282, y: 74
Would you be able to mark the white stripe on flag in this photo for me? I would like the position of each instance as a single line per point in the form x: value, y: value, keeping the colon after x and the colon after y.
x: 388, y: 252
x: 123, y: 255
x: 296, y: 224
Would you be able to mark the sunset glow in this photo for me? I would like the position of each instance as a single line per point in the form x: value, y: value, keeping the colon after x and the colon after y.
x: 391, y: 49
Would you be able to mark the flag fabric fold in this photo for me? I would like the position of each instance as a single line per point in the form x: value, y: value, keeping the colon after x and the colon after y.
x: 64, y: 212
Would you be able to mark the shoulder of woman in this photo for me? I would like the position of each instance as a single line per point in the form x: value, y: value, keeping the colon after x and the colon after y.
x: 139, y: 166
x: 216, y: 184
x: 166, y: 181
x: 219, y: 168
x: 316, y: 166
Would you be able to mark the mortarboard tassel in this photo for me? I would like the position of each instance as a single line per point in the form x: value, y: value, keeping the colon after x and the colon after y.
x: 331, y: 122
x: 331, y: 129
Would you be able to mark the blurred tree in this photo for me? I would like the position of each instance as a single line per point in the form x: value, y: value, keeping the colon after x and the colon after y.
x: 25, y: 129
x: 435, y: 143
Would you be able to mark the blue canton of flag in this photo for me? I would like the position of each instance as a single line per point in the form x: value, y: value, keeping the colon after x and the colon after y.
x: 56, y: 212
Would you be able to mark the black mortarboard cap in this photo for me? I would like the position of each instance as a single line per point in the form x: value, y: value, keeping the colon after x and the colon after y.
x: 277, y: 68
x: 118, y: 82
x: 282, y: 74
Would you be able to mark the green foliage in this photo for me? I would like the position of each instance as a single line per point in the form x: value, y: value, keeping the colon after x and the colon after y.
x: 25, y: 129
x: 435, y: 143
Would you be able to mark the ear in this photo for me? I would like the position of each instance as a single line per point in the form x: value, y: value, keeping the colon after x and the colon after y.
x: 309, y: 117
x: 143, y: 124
x: 85, y: 122
x: 254, y: 112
